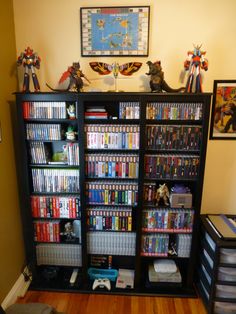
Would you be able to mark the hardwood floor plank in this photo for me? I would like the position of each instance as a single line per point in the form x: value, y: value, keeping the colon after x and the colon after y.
x: 75, y: 303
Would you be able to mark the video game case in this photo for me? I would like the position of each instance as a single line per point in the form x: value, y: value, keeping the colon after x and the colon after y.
x: 112, y: 243
x: 112, y: 137
x: 59, y: 254
x: 174, y: 111
x: 44, y: 110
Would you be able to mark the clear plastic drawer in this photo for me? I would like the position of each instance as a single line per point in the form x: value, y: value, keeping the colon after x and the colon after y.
x: 227, y: 274
x: 228, y: 256
x: 225, y: 308
x: 223, y: 291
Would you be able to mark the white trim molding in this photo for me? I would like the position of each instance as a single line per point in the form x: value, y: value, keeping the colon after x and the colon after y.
x: 18, y: 290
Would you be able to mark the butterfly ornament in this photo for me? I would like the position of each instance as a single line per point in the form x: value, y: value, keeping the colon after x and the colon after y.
x: 126, y: 69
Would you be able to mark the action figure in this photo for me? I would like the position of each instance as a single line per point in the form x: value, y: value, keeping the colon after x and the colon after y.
x: 29, y: 60
x: 68, y: 232
x: 157, y: 82
x: 194, y: 63
x: 71, y: 111
x: 75, y: 79
x: 70, y: 133
x: 163, y: 195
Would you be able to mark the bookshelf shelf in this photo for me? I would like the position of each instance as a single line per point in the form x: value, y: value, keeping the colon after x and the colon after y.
x: 108, y: 171
x: 172, y: 151
x: 111, y: 121
x: 112, y: 150
x: 54, y: 165
x: 174, y: 122
x: 171, y: 179
x: 52, y: 141
x: 165, y: 231
x: 39, y: 120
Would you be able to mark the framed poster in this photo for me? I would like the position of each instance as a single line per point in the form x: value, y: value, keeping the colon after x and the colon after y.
x: 114, y: 31
x: 223, y: 115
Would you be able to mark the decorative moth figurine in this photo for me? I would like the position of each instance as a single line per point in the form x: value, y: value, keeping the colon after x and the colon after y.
x: 126, y: 69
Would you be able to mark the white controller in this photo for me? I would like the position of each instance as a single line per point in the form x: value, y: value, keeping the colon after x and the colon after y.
x: 74, y: 276
x: 101, y: 283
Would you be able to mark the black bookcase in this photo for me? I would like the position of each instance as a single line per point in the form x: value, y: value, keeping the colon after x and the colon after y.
x: 104, y: 181
x: 216, y: 268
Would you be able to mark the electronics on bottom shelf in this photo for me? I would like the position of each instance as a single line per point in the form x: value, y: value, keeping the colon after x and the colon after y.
x: 97, y: 273
x: 164, y: 271
x: 102, y: 278
x: 74, y: 276
x: 102, y: 283
x: 125, y: 279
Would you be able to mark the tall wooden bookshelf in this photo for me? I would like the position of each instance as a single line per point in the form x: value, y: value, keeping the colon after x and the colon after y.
x: 103, y: 184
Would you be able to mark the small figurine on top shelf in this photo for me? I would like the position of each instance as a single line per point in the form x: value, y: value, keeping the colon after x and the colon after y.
x: 29, y: 60
x: 75, y: 75
x: 157, y: 82
x: 194, y: 63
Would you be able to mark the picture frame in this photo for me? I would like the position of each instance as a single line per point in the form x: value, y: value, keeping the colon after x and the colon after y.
x: 114, y: 31
x: 223, y: 114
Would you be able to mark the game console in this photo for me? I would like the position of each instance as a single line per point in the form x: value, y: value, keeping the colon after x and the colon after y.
x: 180, y: 196
x: 102, y: 283
x: 125, y: 279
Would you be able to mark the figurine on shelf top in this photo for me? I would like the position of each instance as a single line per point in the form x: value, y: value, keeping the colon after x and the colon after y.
x: 194, y: 63
x: 30, y: 60
x: 157, y: 82
x: 75, y: 75
x: 126, y: 69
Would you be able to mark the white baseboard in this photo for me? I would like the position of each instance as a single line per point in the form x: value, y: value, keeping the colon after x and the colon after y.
x: 19, y: 289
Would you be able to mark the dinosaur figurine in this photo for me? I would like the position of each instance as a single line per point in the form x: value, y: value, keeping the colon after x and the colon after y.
x: 75, y: 79
x: 157, y: 82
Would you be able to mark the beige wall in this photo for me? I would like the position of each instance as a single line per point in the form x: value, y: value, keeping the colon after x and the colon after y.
x: 11, y: 244
x: 52, y: 28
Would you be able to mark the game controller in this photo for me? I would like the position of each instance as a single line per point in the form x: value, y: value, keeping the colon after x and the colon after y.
x: 74, y: 276
x: 101, y: 283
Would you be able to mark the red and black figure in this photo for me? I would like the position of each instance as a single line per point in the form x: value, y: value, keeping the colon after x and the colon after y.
x: 30, y: 60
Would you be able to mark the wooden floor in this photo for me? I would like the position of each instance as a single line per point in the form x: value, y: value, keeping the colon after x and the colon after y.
x: 74, y: 303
